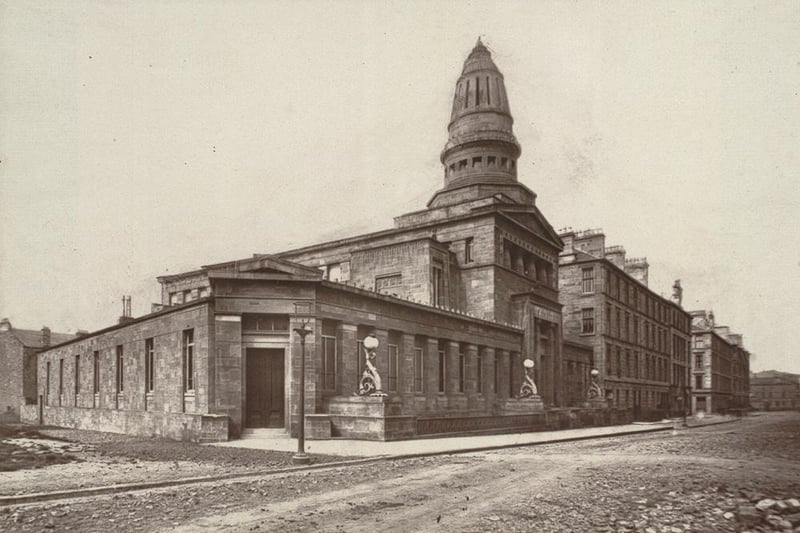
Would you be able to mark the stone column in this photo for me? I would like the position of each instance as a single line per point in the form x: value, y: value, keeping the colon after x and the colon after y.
x: 471, y: 370
x: 519, y: 262
x: 431, y: 373
x: 488, y: 360
x: 347, y: 382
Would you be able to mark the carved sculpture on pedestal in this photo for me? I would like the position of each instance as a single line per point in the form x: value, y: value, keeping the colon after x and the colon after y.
x: 370, y: 384
x: 528, y: 388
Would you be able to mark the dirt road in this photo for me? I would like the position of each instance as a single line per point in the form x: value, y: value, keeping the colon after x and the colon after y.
x: 708, y: 479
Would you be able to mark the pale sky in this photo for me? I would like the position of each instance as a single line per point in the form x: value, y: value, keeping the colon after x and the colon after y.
x: 146, y: 138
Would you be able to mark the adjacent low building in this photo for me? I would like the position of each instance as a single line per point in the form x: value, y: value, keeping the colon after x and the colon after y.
x: 640, y: 340
x: 774, y: 391
x: 18, y: 349
x: 720, y: 367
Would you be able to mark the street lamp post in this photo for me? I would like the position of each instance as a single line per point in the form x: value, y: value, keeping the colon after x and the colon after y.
x: 301, y: 457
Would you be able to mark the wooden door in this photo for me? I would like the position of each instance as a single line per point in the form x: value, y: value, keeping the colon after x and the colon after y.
x: 264, y: 388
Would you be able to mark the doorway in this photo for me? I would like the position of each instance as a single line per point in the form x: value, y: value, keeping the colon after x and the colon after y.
x: 264, y: 388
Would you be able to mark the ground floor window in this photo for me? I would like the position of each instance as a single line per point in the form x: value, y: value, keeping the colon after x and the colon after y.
x: 328, y: 362
x: 392, y: 370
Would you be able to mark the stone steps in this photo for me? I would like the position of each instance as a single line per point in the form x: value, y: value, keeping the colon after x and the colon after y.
x: 264, y: 433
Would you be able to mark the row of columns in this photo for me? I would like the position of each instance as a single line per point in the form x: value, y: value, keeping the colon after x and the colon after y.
x: 349, y: 360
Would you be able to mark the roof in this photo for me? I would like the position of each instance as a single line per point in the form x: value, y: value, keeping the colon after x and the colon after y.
x: 32, y: 338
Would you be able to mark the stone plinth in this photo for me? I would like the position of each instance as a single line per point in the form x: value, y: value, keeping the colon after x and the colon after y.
x: 516, y: 406
x: 369, y: 418
x: 596, y: 403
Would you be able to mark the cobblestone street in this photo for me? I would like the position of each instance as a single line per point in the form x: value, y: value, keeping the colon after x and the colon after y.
x: 731, y: 477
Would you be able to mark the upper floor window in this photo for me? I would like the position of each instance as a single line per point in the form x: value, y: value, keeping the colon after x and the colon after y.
x: 437, y: 281
x: 468, y: 251
x: 587, y: 320
x: 588, y: 280
x: 265, y: 323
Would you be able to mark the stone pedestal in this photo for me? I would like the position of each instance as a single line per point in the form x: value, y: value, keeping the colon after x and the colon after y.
x: 519, y: 406
x: 367, y: 418
x: 596, y: 403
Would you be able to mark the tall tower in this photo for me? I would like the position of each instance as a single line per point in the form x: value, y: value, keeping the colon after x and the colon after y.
x: 480, y: 157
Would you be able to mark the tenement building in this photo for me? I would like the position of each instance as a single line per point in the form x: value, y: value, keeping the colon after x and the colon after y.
x: 447, y: 305
x: 18, y: 349
x: 640, y: 340
x: 720, y: 367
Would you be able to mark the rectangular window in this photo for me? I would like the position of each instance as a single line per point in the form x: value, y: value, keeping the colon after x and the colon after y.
x: 418, y: 369
x: 698, y: 361
x: 149, y: 365
x: 588, y: 280
x: 47, y: 386
x: 587, y: 320
x: 267, y: 323
x: 77, y: 374
x: 188, y: 360
x: 328, y: 362
x: 437, y: 278
x: 388, y: 284
x: 120, y: 369
x: 393, y: 362
x: 468, y: 250
x: 60, y: 379
x: 461, y: 372
x: 175, y: 298
x: 442, y: 369
x: 698, y: 382
x: 96, y: 372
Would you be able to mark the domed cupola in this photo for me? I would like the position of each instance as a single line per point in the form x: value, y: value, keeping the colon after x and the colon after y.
x: 481, y: 147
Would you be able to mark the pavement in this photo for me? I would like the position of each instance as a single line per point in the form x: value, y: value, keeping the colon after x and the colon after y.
x: 442, y: 445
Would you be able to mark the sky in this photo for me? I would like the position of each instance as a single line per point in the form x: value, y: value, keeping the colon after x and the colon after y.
x: 146, y: 138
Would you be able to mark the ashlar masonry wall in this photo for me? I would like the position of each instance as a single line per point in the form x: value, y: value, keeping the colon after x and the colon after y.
x: 81, y: 384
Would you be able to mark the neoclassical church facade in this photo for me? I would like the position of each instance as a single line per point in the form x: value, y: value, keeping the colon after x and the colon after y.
x: 458, y: 295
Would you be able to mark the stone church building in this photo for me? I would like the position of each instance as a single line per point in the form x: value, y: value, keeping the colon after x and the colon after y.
x: 457, y: 294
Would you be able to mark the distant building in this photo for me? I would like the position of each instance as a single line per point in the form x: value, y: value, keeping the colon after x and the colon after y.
x: 18, y: 349
x: 640, y: 340
x: 720, y: 366
x: 457, y: 295
x: 774, y: 391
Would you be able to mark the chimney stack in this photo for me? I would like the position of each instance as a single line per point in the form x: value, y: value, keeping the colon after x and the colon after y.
x: 45, y: 336
x: 126, y: 310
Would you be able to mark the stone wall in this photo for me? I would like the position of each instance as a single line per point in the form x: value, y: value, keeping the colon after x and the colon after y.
x: 177, y: 426
x: 11, y: 375
x: 71, y: 383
